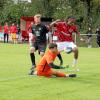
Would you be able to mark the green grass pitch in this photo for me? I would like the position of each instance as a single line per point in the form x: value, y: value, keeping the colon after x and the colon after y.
x: 15, y: 84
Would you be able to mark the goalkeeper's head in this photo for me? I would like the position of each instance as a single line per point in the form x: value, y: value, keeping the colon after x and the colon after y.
x: 53, y: 47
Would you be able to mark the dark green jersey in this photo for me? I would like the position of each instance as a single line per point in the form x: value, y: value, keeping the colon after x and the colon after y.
x: 40, y: 31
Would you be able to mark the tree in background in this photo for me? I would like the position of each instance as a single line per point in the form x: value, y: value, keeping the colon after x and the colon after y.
x: 87, y: 12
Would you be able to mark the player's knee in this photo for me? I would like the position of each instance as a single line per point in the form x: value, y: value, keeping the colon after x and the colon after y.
x: 41, y: 54
x: 32, y: 49
x: 54, y: 72
x: 75, y: 49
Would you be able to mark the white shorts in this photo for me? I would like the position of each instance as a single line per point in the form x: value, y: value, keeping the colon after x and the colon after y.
x: 66, y: 46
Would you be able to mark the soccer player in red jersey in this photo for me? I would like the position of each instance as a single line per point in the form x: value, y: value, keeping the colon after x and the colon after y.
x: 64, y: 32
x: 46, y: 65
x: 6, y: 32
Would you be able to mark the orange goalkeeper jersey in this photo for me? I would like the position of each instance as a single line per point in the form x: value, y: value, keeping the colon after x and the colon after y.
x: 48, y: 58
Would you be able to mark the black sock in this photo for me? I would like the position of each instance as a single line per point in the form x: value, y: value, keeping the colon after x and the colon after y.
x: 72, y: 75
x: 32, y: 58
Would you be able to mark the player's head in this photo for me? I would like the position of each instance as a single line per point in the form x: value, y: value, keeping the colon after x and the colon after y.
x: 97, y: 29
x: 89, y: 28
x: 6, y: 23
x: 37, y: 19
x: 71, y: 20
x: 53, y: 47
x: 13, y: 24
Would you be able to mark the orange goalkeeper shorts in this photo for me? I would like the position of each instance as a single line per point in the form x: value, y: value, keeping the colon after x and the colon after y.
x: 48, y: 73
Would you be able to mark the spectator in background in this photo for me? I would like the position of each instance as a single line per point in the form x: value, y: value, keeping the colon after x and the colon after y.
x: 18, y: 32
x: 6, y: 32
x: 13, y: 31
x: 98, y: 36
x: 89, y: 36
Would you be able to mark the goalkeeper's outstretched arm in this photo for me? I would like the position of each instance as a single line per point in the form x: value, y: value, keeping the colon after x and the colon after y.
x: 56, y: 66
x: 60, y: 58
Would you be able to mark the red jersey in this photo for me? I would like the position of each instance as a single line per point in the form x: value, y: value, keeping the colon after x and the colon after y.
x: 64, y: 31
x: 13, y: 29
x: 6, y: 29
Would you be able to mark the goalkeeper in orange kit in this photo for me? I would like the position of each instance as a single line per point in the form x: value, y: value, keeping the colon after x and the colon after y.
x: 46, y: 65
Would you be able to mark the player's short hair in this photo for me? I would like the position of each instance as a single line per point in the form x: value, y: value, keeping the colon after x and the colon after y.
x: 37, y: 15
x: 71, y: 18
x: 52, y: 45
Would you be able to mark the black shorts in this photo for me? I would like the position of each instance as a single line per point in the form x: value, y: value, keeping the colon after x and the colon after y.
x: 41, y: 47
x: 98, y: 38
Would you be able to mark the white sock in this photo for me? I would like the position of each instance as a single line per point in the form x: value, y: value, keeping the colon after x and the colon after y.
x: 74, y: 62
x: 67, y: 75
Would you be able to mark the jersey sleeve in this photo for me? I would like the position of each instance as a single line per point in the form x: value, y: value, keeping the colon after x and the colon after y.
x: 75, y: 28
x: 59, y: 24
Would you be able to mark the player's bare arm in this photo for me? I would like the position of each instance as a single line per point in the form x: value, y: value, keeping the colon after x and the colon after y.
x: 54, y: 22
